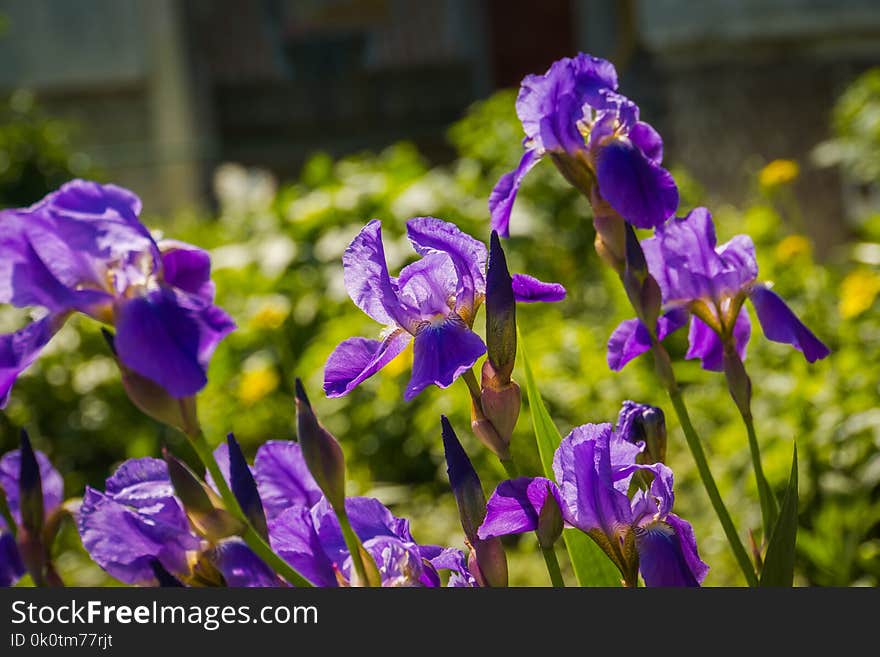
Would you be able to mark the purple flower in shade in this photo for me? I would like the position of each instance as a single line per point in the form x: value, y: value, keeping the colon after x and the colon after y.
x: 433, y: 302
x: 594, y: 467
x: 574, y: 113
x: 709, y: 284
x: 304, y: 530
x: 12, y: 563
x: 138, y: 520
x: 83, y: 249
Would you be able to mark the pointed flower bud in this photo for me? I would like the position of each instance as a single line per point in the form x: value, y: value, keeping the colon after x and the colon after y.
x: 738, y: 382
x: 203, y: 506
x: 487, y: 433
x: 550, y: 523
x: 468, y: 491
x: 152, y: 399
x: 642, y: 423
x: 30, y: 488
x: 244, y: 487
x: 500, y: 313
x: 321, y: 451
x: 500, y: 404
x: 641, y: 288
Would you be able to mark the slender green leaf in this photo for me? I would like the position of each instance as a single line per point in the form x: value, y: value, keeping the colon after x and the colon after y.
x: 591, y: 566
x: 779, y: 563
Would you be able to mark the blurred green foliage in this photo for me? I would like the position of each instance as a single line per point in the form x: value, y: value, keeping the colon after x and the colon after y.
x: 277, y: 264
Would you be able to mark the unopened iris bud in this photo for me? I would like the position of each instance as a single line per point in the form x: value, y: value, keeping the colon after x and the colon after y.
x: 501, y: 404
x: 244, y: 487
x: 647, y: 424
x: 152, y: 399
x: 610, y: 240
x: 641, y: 288
x: 203, y: 506
x: 468, y: 491
x: 550, y: 523
x: 30, y: 488
x: 500, y: 313
x: 321, y: 451
x: 485, y: 430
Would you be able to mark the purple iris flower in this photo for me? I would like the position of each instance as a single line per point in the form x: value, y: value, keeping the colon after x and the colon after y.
x: 12, y: 566
x: 594, y: 467
x: 138, y: 520
x: 574, y: 114
x: 433, y: 302
x: 83, y: 249
x: 304, y: 530
x: 709, y: 284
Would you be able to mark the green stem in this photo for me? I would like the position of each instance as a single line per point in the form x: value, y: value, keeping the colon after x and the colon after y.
x: 354, y: 548
x: 473, y: 386
x: 553, y: 566
x: 769, y: 510
x: 693, y: 441
x: 510, y: 468
x: 250, y: 535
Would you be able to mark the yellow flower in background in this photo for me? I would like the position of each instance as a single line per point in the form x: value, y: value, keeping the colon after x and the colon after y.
x: 271, y: 314
x: 793, y: 247
x: 257, y: 383
x: 858, y: 292
x: 777, y: 173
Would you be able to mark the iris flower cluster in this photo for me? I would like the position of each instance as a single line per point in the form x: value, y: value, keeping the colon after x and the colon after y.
x: 285, y: 519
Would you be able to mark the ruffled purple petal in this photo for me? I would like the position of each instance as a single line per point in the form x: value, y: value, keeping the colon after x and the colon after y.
x: 468, y: 255
x: 18, y: 350
x: 504, y: 194
x: 283, y: 479
x: 11, y: 567
x: 124, y: 540
x: 515, y: 506
x: 647, y: 140
x: 643, y: 193
x: 441, y: 353
x: 169, y: 336
x: 399, y: 563
x: 428, y: 284
x: 583, y: 469
x: 528, y: 289
x: 631, y: 339
x: 367, y: 280
x: 188, y: 268
x: 240, y: 567
x: 50, y: 481
x: 293, y: 537
x: 688, y: 541
x: 357, y: 359
x: 780, y: 324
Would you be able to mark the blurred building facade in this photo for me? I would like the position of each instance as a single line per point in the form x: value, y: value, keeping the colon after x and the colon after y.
x: 167, y: 89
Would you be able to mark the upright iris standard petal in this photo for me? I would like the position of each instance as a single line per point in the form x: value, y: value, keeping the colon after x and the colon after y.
x: 643, y: 193
x: 441, y: 353
x: 504, y: 193
x: 528, y: 289
x: 357, y: 359
x: 169, y: 337
x: 187, y: 268
x: 283, y: 479
x: 780, y: 324
x: 367, y: 280
x: 468, y: 255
